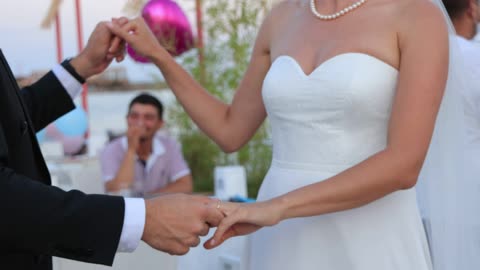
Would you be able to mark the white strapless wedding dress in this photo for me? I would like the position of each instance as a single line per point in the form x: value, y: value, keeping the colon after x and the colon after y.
x: 322, y: 124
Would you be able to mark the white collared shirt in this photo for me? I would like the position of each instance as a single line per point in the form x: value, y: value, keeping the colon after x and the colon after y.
x: 134, y: 218
x: 471, y: 52
x: 165, y: 165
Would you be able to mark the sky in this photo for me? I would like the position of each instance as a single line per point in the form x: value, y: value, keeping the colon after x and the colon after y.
x: 29, y: 48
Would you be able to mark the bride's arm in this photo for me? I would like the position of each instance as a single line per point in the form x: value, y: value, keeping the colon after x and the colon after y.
x: 230, y: 126
x: 422, y: 79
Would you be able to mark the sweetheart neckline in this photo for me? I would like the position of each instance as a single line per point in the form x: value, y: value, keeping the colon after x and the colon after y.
x: 331, y: 59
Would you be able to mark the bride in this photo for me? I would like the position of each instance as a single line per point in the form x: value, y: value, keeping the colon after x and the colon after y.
x: 352, y: 90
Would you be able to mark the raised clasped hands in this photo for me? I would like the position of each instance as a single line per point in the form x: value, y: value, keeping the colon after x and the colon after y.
x: 138, y: 35
x: 108, y: 42
x: 102, y: 47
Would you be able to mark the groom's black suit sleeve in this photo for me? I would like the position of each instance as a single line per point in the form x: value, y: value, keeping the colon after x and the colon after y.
x: 37, y: 220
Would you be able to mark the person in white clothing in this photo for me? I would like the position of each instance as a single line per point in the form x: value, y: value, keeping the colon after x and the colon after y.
x: 465, y: 15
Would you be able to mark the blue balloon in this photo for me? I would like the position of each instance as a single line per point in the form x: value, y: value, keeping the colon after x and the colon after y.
x: 41, y: 135
x: 74, y: 123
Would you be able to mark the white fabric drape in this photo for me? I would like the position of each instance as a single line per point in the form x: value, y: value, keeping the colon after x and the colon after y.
x: 448, y: 192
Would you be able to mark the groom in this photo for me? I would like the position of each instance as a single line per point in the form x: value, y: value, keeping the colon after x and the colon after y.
x: 39, y: 221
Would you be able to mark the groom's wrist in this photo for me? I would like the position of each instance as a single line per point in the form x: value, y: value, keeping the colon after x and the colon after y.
x: 133, y: 225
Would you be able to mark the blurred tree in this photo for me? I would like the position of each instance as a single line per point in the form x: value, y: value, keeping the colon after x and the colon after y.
x: 230, y: 30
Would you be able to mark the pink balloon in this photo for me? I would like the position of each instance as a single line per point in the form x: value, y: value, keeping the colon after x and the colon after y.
x: 169, y: 25
x: 71, y: 144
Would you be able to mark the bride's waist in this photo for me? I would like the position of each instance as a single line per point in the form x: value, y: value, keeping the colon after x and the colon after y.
x: 323, y: 156
x: 310, y: 166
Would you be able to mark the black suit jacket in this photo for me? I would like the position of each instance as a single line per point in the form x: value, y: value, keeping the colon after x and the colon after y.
x: 38, y: 221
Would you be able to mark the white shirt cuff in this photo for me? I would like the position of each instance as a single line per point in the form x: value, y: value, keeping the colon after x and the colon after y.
x: 71, y: 85
x: 180, y: 175
x: 133, y: 225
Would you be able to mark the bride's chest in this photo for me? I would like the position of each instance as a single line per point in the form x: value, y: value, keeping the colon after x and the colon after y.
x: 349, y: 82
x: 311, y: 43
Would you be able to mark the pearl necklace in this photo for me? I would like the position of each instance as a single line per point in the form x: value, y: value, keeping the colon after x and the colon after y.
x: 335, y: 15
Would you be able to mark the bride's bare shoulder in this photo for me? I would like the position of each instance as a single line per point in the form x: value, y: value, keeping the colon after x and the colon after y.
x: 286, y: 7
x: 413, y: 11
x: 420, y: 21
x: 290, y: 3
x: 283, y: 11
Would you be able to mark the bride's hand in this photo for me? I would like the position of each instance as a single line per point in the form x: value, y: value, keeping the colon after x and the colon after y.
x: 242, y: 219
x: 138, y: 35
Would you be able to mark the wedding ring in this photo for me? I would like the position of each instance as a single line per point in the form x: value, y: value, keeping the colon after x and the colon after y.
x: 218, y: 204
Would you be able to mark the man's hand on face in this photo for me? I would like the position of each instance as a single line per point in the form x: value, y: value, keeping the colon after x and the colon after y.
x: 134, y: 136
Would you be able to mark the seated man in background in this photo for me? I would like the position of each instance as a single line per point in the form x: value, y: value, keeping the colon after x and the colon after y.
x: 142, y: 163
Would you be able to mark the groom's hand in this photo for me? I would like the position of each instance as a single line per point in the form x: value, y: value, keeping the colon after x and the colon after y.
x: 102, y: 47
x: 174, y: 222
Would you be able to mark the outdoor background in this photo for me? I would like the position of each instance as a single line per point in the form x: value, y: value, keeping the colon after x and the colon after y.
x: 230, y: 27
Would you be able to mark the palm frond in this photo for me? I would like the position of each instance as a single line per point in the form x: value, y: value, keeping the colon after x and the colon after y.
x: 133, y: 7
x: 52, y: 12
